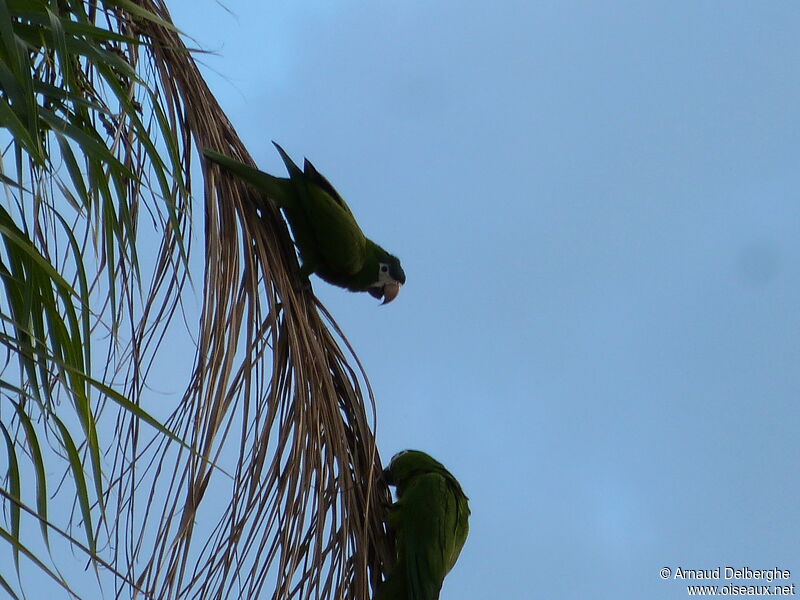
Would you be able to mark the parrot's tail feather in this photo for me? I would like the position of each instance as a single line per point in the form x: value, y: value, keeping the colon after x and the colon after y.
x: 276, y: 188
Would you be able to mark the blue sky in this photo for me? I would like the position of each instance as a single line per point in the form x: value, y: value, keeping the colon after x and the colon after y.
x: 597, y: 207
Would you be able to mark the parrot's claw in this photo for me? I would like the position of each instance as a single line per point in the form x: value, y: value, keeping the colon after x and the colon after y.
x: 303, y: 285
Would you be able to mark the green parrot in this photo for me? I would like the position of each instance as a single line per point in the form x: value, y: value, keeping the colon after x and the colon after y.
x: 330, y: 242
x: 430, y: 524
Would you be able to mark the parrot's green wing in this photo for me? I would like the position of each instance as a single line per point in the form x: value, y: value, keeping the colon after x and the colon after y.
x: 336, y: 233
x: 311, y: 173
x: 429, y: 535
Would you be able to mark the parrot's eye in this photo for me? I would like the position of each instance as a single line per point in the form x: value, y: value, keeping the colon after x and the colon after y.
x: 384, y: 269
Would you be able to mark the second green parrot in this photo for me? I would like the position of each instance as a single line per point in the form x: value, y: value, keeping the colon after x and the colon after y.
x: 330, y: 242
x: 430, y: 521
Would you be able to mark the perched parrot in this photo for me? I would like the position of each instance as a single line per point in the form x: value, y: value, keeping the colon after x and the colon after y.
x: 430, y: 524
x: 330, y: 242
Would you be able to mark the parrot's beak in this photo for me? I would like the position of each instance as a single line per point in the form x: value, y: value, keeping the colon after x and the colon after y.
x: 390, y: 291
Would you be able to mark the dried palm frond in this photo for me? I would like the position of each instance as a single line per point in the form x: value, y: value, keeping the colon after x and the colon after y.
x: 265, y: 479
x: 303, y: 505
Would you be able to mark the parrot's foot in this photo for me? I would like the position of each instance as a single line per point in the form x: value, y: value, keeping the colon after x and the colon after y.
x: 303, y: 285
x: 304, y: 282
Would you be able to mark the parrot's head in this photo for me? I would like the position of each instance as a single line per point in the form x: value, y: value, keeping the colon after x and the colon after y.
x: 407, y: 464
x: 391, y: 278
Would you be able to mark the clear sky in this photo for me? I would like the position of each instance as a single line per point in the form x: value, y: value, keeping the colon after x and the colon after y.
x: 597, y: 205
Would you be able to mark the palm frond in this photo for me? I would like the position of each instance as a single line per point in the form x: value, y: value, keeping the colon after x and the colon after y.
x: 265, y: 477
